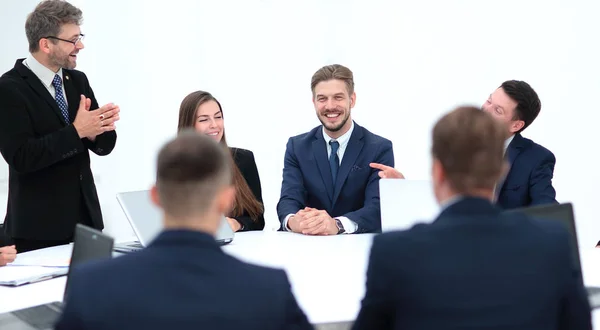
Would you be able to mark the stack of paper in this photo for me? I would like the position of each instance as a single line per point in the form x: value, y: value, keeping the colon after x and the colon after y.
x: 19, y: 275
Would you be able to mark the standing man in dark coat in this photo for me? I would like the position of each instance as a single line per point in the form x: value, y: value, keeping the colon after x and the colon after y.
x: 49, y: 120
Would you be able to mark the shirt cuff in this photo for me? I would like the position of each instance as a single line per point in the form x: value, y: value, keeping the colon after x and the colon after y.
x: 285, y: 221
x: 349, y: 225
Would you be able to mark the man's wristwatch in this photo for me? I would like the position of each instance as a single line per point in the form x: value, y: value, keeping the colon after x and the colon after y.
x: 338, y: 223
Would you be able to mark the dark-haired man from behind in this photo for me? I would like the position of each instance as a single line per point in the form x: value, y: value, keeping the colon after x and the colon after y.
x: 183, y: 280
x: 474, y: 266
x: 529, y: 180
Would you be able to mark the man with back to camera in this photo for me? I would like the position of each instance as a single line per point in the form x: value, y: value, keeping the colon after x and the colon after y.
x: 183, y: 279
x: 475, y: 266
x: 50, y: 119
x: 529, y: 180
x: 328, y: 187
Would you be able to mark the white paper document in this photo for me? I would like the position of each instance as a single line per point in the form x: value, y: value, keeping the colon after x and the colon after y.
x: 56, y: 256
x: 20, y: 275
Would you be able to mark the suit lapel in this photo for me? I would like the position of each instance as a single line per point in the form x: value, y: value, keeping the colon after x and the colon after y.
x: 72, y: 95
x: 35, y: 84
x: 355, y: 145
x: 320, y: 153
x: 513, y: 150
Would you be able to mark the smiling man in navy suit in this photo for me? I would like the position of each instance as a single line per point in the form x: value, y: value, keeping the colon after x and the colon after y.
x: 529, y: 180
x: 328, y: 187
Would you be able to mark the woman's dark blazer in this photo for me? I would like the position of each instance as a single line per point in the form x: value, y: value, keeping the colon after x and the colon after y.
x: 244, y: 159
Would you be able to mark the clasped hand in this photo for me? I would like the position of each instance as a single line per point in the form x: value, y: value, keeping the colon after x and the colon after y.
x: 310, y: 221
x: 90, y: 124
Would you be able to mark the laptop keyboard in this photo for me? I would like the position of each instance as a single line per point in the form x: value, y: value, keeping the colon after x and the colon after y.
x: 135, y: 245
x: 593, y: 290
x: 128, y: 247
x: 40, y: 317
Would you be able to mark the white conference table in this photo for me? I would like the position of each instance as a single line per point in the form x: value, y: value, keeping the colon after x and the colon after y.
x: 327, y: 273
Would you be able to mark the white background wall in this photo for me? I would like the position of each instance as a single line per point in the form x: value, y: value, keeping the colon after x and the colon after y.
x: 413, y: 60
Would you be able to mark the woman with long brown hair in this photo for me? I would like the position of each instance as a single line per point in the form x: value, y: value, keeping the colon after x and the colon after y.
x: 201, y: 111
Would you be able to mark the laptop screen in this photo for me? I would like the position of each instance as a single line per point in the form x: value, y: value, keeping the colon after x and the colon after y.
x: 89, y: 244
x: 560, y: 212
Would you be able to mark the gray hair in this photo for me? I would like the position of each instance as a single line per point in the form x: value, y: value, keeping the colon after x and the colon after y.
x: 47, y: 19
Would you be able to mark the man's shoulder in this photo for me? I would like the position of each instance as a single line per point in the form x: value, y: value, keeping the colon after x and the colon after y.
x: 76, y: 74
x: 268, y: 276
x: 536, y: 150
x: 371, y: 137
x: 303, y: 140
x: 402, y: 237
x: 10, y: 78
x: 546, y: 229
x: 307, y: 136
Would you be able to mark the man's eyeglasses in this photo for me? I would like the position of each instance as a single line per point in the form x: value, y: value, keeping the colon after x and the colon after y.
x: 73, y: 41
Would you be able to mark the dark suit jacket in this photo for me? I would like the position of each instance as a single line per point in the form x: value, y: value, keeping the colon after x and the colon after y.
x: 307, y: 179
x: 51, y: 185
x: 529, y: 181
x: 475, y: 268
x: 244, y: 160
x: 183, y: 280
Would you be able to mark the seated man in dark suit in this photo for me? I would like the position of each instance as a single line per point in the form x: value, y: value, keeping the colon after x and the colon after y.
x: 328, y: 187
x: 474, y: 267
x: 529, y: 181
x: 183, y: 280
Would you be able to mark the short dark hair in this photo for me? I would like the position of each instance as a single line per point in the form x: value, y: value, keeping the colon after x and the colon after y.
x: 528, y: 102
x: 190, y: 170
x: 47, y: 19
x: 333, y: 71
x: 469, y: 144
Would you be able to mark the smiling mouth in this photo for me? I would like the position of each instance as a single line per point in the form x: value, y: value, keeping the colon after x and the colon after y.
x: 332, y: 115
x: 213, y: 134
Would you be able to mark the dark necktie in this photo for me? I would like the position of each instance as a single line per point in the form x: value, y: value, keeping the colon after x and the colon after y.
x: 334, y: 161
x: 60, y: 98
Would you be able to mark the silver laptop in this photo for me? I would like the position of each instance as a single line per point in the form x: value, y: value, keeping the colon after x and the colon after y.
x: 146, y: 221
x: 89, y: 244
x: 404, y: 203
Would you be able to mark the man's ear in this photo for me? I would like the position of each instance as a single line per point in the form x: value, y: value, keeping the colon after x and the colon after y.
x: 43, y: 45
x: 154, y: 196
x: 225, y: 199
x: 516, y: 126
x: 438, y: 174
